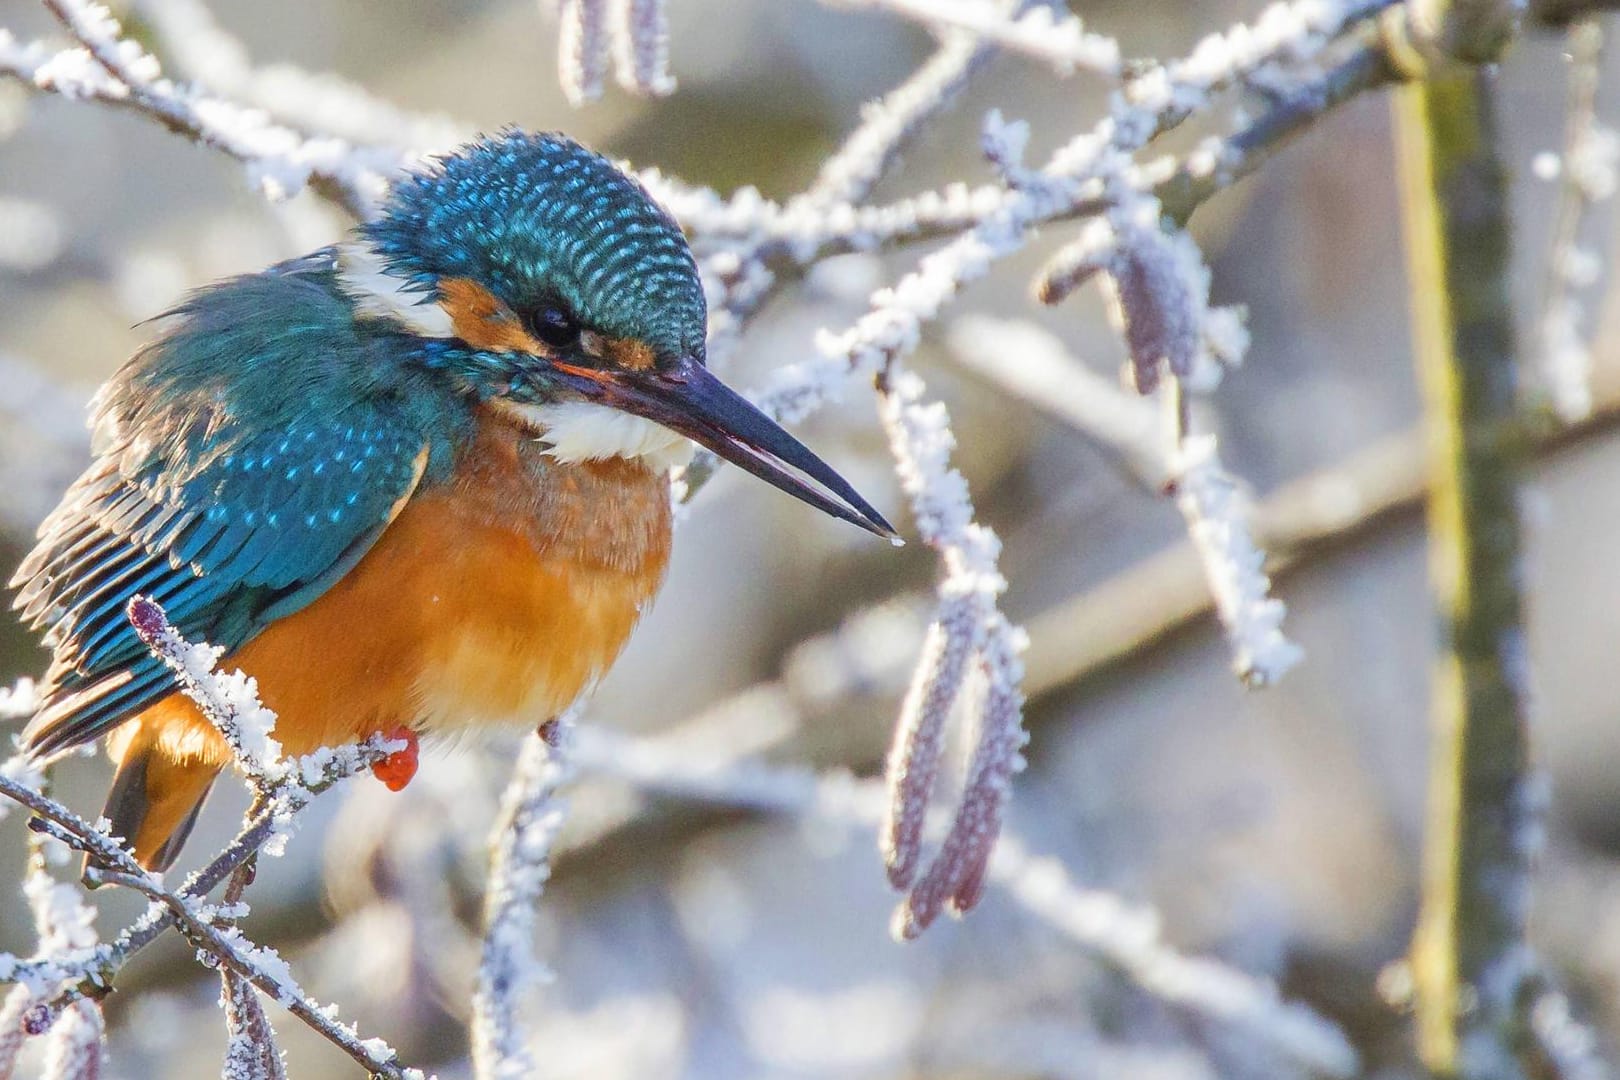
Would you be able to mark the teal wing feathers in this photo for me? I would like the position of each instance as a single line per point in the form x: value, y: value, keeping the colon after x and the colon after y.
x: 239, y: 474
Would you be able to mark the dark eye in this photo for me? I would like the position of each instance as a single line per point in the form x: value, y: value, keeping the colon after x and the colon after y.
x: 552, y: 325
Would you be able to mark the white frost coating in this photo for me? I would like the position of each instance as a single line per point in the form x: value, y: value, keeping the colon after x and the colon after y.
x: 1572, y: 1047
x: 1589, y: 173
x: 382, y: 295
x: 230, y: 701
x: 1566, y: 358
x: 279, y: 160
x: 970, y: 623
x: 18, y: 1001
x: 1217, y: 520
x: 576, y: 431
x: 531, y: 814
x: 201, y: 50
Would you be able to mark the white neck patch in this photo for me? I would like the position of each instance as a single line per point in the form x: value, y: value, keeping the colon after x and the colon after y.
x: 381, y: 295
x: 577, y: 431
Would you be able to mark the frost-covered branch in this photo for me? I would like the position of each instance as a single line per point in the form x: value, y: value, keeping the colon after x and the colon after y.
x: 112, y: 69
x: 1033, y: 364
x: 969, y: 632
x: 113, y: 865
x: 64, y: 979
x: 192, y: 41
x: 532, y: 811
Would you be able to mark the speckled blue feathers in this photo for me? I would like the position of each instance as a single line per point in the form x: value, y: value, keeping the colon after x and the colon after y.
x: 537, y: 218
x: 246, y: 460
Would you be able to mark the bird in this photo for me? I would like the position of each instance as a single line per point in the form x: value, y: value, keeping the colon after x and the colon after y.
x: 415, y: 483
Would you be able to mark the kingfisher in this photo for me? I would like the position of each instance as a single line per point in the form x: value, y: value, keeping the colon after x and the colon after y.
x: 413, y: 484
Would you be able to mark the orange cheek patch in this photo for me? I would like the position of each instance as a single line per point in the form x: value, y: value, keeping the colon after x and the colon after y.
x: 482, y: 320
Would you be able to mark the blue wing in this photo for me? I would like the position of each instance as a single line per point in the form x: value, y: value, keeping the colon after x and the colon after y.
x: 240, y: 473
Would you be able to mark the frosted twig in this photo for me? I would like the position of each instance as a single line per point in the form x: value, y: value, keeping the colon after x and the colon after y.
x: 844, y: 179
x: 532, y: 811
x: 1125, y: 936
x: 261, y: 966
x: 115, y: 70
x: 1128, y: 937
x: 1217, y: 520
x: 284, y: 787
x: 65, y: 925
x: 782, y: 234
x: 12, y: 1033
x: 1567, y: 1046
x: 251, y: 1052
x: 1059, y: 40
x: 1587, y: 175
x: 1073, y: 177
x: 970, y: 625
x: 111, y: 864
x: 919, y: 435
x: 191, y: 39
x: 231, y: 703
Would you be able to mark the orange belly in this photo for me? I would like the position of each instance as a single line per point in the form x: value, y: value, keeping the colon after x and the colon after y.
x: 495, y: 598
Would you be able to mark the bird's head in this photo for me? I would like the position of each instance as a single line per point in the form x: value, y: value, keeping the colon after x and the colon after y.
x: 557, y: 291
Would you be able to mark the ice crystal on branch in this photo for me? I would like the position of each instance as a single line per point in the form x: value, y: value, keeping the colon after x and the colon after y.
x: 1216, y: 513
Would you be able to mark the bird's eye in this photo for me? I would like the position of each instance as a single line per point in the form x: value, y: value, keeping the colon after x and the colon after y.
x: 552, y: 325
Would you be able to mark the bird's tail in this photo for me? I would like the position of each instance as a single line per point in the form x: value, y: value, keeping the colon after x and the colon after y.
x: 156, y: 795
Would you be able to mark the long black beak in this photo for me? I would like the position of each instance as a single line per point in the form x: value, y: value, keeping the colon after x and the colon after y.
x: 689, y: 399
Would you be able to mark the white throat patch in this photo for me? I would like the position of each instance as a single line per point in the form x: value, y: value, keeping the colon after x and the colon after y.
x: 381, y: 295
x: 577, y: 431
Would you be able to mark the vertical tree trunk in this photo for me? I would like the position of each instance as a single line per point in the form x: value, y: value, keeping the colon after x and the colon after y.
x: 1469, y: 957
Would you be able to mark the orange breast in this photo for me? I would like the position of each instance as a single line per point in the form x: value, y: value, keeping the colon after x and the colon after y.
x: 493, y: 599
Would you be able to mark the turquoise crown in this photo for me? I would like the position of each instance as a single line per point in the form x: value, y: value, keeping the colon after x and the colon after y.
x: 539, y: 219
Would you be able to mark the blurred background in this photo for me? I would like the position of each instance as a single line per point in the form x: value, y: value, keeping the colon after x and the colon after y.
x: 1278, y: 831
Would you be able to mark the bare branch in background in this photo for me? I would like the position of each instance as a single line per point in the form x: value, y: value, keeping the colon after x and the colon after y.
x: 1059, y: 40
x: 1122, y: 935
